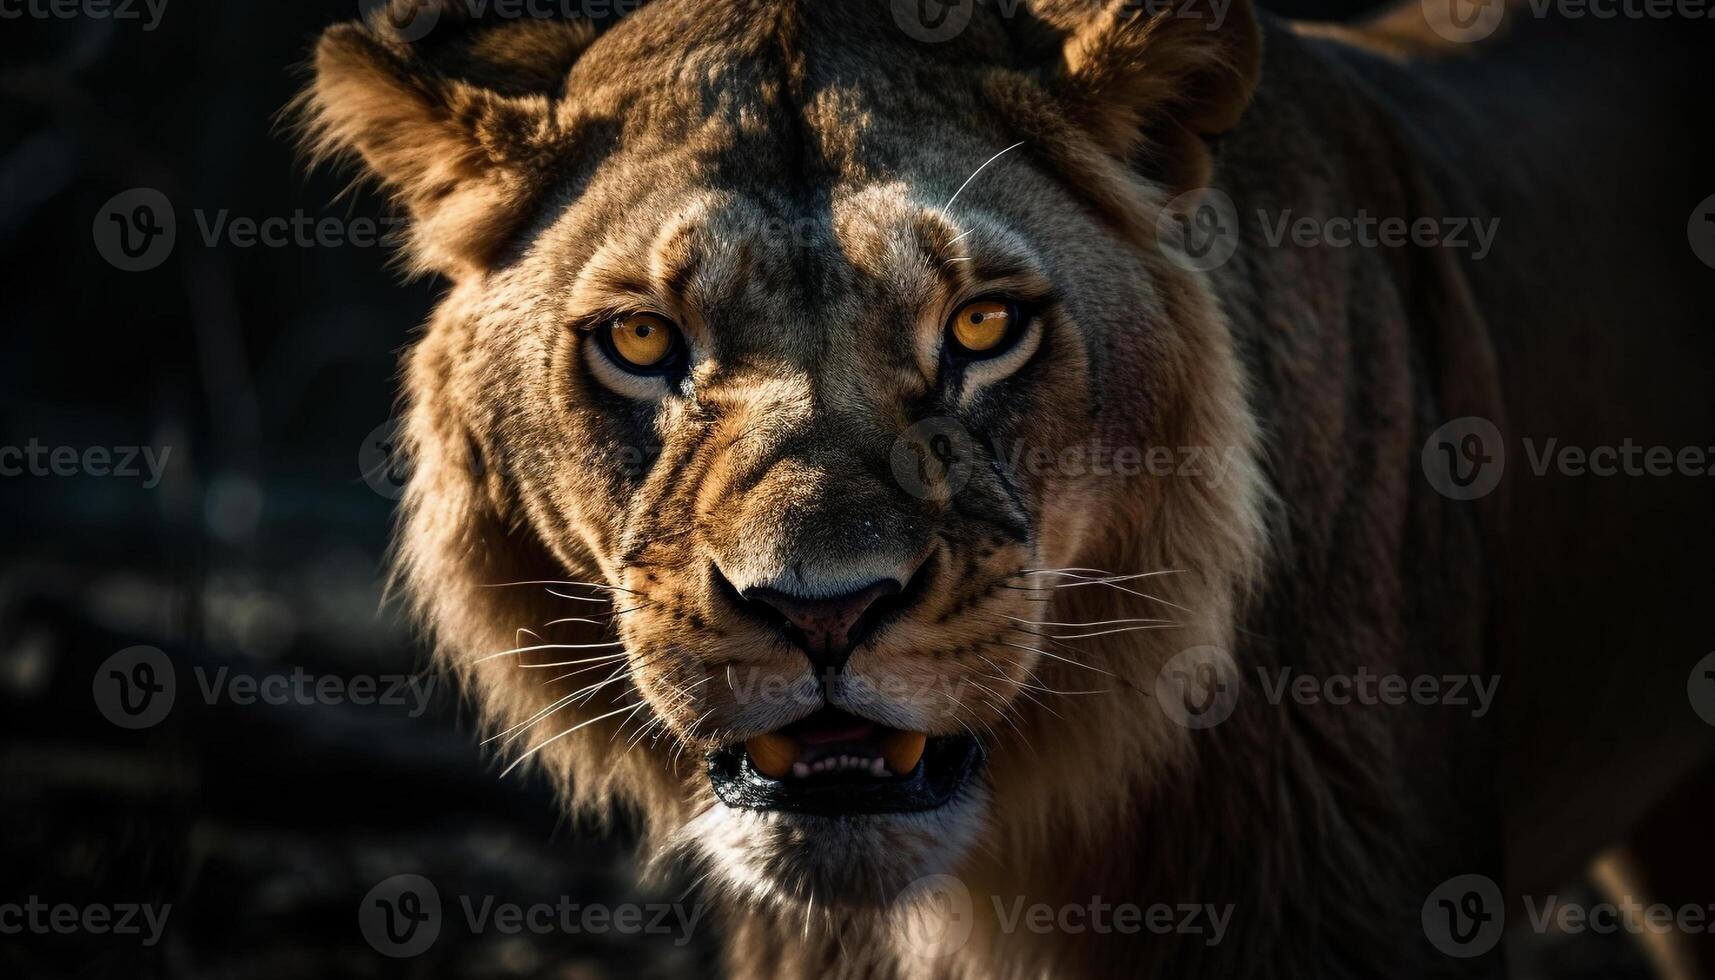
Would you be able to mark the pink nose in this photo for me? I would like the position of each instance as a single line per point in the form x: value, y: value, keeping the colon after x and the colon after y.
x: 826, y: 628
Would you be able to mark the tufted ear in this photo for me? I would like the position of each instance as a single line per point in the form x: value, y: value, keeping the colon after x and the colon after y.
x: 1163, y: 76
x: 459, y: 124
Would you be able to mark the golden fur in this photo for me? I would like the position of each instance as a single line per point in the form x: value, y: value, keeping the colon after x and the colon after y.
x: 781, y: 177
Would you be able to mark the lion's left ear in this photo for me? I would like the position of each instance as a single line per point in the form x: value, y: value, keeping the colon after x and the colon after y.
x: 1162, y: 76
x: 460, y: 125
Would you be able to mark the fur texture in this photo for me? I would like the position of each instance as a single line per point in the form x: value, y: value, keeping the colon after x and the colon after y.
x: 809, y: 193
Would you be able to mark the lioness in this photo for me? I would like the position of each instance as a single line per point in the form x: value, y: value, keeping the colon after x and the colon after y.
x: 870, y: 448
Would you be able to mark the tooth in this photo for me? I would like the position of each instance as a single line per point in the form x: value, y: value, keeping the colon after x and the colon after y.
x: 771, y: 754
x: 902, y: 751
x: 800, y: 770
x: 877, y: 767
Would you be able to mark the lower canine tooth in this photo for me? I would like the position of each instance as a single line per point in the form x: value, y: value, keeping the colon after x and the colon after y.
x: 771, y: 754
x: 902, y: 750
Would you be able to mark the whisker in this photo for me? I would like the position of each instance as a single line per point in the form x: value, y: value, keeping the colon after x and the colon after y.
x: 1127, y: 629
x: 544, y: 646
x: 1121, y: 588
x: 586, y: 585
x: 1051, y: 656
x: 1104, y: 578
x: 575, y: 598
x: 587, y: 693
x: 573, y: 663
x: 973, y: 176
x: 583, y: 724
x: 618, y: 674
x: 1103, y: 622
x: 961, y: 706
x: 530, y: 721
x: 999, y: 675
x: 1046, y: 690
x: 598, y: 661
x: 980, y: 685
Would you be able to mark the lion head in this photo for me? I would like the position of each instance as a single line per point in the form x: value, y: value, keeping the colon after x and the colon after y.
x: 804, y: 450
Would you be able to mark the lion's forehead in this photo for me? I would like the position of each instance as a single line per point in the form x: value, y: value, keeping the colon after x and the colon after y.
x: 743, y: 270
x: 826, y: 68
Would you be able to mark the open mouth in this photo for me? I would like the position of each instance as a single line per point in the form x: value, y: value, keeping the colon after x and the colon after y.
x: 836, y: 764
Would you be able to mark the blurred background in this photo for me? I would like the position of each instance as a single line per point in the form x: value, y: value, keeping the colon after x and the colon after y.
x: 248, y: 384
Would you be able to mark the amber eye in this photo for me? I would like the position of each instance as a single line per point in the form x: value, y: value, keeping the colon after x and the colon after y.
x: 643, y: 341
x: 982, y: 328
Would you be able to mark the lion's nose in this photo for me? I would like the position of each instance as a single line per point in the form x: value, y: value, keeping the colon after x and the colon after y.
x: 829, y: 628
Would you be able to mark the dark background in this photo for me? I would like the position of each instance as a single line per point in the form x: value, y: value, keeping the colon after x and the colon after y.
x: 265, y: 370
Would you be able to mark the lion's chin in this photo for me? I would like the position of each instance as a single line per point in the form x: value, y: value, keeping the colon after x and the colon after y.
x: 838, y: 810
x: 861, y: 861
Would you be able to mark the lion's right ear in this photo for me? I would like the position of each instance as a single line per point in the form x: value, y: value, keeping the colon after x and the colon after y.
x: 460, y: 131
x: 1164, y: 76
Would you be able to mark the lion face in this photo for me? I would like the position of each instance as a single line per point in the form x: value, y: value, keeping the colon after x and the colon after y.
x: 782, y: 312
